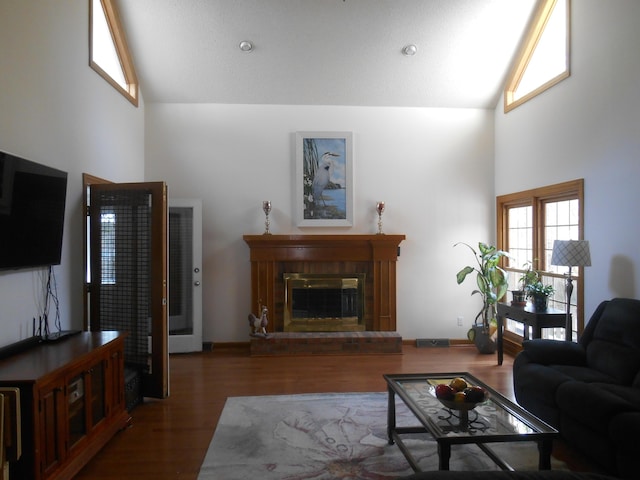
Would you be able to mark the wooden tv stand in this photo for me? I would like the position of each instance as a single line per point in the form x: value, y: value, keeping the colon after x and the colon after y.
x: 71, y: 401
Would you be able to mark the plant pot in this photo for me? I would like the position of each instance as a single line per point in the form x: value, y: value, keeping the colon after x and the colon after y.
x: 540, y: 303
x: 483, y: 339
x: 519, y: 297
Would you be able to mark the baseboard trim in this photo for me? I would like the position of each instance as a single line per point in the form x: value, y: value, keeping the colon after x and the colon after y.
x: 411, y: 342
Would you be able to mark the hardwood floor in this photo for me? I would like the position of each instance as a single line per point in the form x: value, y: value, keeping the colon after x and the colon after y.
x: 169, y: 438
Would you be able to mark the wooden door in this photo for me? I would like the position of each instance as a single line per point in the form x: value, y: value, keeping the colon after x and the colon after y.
x: 127, y: 274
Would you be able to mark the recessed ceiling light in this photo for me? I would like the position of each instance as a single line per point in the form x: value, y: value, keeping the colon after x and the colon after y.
x: 409, y: 50
x: 246, y: 46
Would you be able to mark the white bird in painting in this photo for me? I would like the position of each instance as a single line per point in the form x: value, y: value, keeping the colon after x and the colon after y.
x: 322, y: 176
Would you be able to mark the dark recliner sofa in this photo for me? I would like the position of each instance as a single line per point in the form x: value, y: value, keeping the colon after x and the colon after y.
x: 590, y: 390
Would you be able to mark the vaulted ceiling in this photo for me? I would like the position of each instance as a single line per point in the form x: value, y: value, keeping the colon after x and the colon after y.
x: 325, y: 52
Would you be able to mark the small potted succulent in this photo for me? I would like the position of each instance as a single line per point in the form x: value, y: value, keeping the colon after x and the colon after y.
x: 492, y: 284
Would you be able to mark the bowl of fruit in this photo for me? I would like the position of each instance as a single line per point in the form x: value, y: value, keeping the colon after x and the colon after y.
x: 459, y: 395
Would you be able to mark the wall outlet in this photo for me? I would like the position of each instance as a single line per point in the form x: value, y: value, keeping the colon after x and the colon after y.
x: 460, y: 319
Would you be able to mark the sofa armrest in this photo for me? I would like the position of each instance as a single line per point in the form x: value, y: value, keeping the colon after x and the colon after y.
x: 553, y: 352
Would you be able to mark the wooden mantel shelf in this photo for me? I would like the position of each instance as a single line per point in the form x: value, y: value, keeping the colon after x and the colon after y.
x: 323, y: 247
x: 375, y: 255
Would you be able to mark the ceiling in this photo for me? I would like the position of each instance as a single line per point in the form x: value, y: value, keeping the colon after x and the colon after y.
x: 325, y: 52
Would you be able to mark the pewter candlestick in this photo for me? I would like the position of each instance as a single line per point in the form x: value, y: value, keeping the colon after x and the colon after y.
x: 266, y: 207
x: 380, y: 209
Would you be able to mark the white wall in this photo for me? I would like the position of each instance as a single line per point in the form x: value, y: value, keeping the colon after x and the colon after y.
x: 56, y: 110
x: 432, y: 167
x: 588, y: 127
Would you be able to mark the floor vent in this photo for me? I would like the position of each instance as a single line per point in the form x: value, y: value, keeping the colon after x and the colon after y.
x: 432, y: 342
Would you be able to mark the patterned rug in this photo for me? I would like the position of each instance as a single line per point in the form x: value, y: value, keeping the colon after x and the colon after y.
x: 331, y: 436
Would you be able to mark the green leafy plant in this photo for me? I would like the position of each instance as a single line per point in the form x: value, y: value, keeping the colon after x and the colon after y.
x: 539, y: 293
x: 491, y: 279
x: 529, y: 276
x: 531, y: 281
x: 539, y: 289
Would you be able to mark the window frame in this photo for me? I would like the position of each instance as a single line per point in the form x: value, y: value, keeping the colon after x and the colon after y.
x: 122, y: 49
x: 534, y: 33
x: 537, y: 198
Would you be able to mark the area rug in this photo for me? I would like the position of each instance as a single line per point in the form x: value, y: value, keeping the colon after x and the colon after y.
x: 331, y: 436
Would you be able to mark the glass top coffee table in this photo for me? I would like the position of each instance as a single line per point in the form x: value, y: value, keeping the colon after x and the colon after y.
x: 497, y: 419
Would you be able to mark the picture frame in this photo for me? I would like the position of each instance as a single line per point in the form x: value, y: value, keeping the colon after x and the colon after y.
x: 324, y: 187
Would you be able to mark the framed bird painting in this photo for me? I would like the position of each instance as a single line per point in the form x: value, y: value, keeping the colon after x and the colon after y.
x: 324, y: 179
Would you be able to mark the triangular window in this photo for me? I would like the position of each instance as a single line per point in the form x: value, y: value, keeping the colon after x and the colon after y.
x: 109, y: 53
x: 544, y: 59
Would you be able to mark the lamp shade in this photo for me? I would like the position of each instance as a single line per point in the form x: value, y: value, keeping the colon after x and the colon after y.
x: 571, y: 253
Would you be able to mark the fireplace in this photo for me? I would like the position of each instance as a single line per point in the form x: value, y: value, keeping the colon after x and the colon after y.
x: 324, y: 302
x: 372, y: 256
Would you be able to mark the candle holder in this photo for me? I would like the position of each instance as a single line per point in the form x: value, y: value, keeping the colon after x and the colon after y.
x: 266, y: 207
x: 380, y: 209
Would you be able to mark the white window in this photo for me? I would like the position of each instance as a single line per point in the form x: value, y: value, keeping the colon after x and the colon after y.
x: 528, y: 223
x: 544, y: 58
x: 108, y: 249
x: 108, y: 49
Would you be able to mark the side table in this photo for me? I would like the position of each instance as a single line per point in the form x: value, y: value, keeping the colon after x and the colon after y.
x: 537, y: 320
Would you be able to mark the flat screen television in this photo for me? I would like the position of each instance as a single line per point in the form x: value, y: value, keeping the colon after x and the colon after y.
x: 32, y: 204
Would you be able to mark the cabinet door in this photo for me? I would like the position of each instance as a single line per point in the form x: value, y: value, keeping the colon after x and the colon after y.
x: 96, y: 376
x: 77, y: 408
x: 114, y: 382
x: 85, y: 402
x: 52, y: 432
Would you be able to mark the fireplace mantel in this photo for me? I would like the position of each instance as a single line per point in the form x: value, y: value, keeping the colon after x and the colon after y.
x: 375, y: 255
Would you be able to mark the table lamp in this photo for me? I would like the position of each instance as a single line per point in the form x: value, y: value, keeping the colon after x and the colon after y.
x: 570, y: 253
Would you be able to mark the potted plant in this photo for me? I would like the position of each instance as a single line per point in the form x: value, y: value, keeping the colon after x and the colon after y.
x: 492, y: 285
x: 539, y: 293
x: 528, y: 277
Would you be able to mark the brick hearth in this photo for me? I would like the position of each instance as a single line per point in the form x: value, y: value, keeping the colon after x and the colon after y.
x: 326, y: 343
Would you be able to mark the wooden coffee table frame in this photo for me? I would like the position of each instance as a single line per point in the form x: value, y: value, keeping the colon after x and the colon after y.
x: 540, y: 432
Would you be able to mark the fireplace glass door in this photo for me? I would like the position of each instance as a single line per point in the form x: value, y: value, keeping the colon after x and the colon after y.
x: 324, y: 302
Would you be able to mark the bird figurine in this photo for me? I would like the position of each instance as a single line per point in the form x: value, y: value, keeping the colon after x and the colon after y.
x: 258, y: 325
x: 322, y: 177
